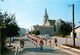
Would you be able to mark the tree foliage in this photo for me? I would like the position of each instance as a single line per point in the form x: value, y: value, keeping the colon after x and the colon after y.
x: 65, y: 29
x: 8, y: 27
x: 36, y: 32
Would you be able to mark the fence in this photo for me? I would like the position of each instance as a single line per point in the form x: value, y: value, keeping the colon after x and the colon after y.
x: 68, y: 41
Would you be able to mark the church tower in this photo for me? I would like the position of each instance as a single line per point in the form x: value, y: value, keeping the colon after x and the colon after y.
x: 45, y: 16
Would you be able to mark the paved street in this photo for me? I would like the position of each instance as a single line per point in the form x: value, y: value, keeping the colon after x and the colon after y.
x: 31, y: 49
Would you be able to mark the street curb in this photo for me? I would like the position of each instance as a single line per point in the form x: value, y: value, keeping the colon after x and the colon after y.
x: 70, y: 52
x: 71, y: 48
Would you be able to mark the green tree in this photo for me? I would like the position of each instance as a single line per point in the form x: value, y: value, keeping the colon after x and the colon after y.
x: 11, y: 27
x: 36, y: 32
x: 2, y: 34
x: 8, y: 28
x: 65, y: 28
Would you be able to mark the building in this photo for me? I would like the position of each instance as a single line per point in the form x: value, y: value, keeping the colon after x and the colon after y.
x: 77, y: 31
x: 22, y: 31
x: 58, y: 24
x: 48, y: 26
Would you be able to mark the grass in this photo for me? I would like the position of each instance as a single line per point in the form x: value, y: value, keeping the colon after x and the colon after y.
x: 76, y: 47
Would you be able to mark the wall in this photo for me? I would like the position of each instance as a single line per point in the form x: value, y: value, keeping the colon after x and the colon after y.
x: 68, y: 41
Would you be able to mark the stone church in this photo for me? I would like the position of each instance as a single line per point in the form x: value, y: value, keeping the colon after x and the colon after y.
x: 48, y: 27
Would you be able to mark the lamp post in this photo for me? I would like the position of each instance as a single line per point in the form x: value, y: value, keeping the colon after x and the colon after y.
x: 73, y: 30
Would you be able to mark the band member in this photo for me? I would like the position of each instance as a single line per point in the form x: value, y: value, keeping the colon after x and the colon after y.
x: 50, y: 42
x: 41, y: 44
x: 55, y: 40
x: 21, y: 40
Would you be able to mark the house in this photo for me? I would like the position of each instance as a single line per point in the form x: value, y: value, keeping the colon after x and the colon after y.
x: 77, y: 31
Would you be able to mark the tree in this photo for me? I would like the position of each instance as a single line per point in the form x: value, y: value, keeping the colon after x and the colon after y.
x: 11, y: 27
x: 65, y: 28
x: 2, y: 34
x: 2, y: 27
x: 8, y: 28
x: 36, y: 32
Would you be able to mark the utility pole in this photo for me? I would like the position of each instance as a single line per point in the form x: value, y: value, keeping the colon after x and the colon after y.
x: 73, y: 30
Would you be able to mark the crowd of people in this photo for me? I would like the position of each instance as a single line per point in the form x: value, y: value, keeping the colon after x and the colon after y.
x: 39, y: 41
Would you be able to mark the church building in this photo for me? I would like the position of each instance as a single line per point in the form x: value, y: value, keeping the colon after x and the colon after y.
x: 48, y: 26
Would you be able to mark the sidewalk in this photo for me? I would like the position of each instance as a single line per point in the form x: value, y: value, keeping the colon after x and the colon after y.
x: 70, y: 50
x: 13, y: 49
x: 9, y: 50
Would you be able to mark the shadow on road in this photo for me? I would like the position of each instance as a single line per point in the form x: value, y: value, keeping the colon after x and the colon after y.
x: 18, y: 40
x: 38, y: 50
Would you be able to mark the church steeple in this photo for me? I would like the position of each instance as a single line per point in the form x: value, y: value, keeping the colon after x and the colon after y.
x: 45, y: 16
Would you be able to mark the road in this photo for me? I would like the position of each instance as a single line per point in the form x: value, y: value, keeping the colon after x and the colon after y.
x: 31, y: 49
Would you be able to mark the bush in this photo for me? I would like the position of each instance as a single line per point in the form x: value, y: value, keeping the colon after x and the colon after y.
x: 37, y: 32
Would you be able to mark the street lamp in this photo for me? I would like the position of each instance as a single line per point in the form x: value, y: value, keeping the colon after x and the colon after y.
x: 73, y: 24
x: 73, y: 30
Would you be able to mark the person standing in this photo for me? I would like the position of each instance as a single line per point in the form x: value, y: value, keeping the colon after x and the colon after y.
x: 55, y: 40
x: 41, y: 44
x: 50, y: 42
x: 21, y: 40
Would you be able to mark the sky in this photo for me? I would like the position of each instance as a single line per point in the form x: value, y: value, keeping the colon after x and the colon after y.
x: 31, y: 12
